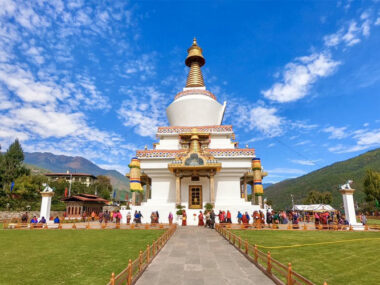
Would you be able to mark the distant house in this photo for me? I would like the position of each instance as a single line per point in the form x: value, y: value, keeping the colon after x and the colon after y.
x: 84, y: 178
x: 78, y: 204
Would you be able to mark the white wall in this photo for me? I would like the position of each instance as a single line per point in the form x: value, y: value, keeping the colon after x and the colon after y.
x: 169, y: 142
x: 221, y: 141
x: 163, y: 190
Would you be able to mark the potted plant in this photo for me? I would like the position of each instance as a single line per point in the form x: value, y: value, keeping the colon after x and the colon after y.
x: 179, y: 208
x: 208, y: 207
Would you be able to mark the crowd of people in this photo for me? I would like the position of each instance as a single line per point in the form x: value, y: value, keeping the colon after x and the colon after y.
x: 208, y: 218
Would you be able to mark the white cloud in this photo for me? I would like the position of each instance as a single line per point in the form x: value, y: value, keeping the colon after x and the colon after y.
x: 265, y: 120
x: 365, y: 139
x: 352, y: 33
x: 303, y: 142
x: 146, y: 117
x: 305, y: 162
x: 299, y: 76
x: 336, y: 133
x: 45, y: 100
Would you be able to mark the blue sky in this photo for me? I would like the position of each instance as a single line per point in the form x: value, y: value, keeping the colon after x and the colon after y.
x: 301, y: 78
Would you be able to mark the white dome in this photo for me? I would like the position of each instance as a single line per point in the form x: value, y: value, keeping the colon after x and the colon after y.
x: 195, y: 107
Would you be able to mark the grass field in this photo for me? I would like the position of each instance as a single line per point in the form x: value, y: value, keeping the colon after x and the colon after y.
x: 68, y: 256
x: 351, y: 262
x: 373, y: 221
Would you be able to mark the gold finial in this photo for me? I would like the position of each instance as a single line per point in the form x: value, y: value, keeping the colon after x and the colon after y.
x: 195, y: 61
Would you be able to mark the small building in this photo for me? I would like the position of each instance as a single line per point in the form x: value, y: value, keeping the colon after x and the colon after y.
x: 78, y: 204
x: 84, y: 178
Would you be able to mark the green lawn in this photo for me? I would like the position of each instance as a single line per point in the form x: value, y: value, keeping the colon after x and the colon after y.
x: 68, y: 256
x: 355, y: 262
x: 373, y: 221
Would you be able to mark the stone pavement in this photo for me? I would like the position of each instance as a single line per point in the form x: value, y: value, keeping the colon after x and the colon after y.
x: 196, y: 255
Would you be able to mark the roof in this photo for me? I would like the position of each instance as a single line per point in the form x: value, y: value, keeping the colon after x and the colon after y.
x: 86, y: 198
x: 314, y: 208
x: 64, y: 174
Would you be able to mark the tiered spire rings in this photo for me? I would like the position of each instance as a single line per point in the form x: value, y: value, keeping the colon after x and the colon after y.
x: 195, y: 61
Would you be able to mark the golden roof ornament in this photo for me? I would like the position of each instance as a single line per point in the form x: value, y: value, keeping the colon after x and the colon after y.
x: 195, y: 61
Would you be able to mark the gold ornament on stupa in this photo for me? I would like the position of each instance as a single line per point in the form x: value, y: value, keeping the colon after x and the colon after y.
x: 257, y: 177
x: 195, y: 61
x: 135, y: 175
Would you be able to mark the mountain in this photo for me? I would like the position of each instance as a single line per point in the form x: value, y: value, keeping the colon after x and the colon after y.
x: 266, y: 185
x: 325, y: 179
x: 42, y: 162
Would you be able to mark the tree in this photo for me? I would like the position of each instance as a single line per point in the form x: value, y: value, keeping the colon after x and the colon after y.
x: 102, y: 186
x: 12, y: 164
x: 372, y: 185
x: 316, y: 197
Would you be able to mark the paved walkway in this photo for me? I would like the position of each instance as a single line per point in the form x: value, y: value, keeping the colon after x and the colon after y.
x: 201, y: 256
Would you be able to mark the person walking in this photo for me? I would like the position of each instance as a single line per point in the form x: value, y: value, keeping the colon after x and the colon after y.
x: 157, y: 217
x: 239, y: 217
x: 184, y: 218
x: 212, y: 219
x: 363, y: 219
x: 170, y: 218
x: 229, y: 217
x: 200, y: 219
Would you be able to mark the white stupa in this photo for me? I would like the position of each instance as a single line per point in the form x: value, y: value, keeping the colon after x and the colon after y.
x: 196, y: 160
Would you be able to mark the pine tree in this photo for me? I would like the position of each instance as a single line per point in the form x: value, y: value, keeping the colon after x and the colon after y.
x: 12, y: 164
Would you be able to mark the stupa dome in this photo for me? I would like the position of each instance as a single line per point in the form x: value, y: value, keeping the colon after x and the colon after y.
x: 195, y: 106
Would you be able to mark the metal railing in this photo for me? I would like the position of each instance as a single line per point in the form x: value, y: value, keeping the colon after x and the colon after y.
x: 135, y: 268
x: 289, y: 226
x: 264, y: 261
x: 82, y: 225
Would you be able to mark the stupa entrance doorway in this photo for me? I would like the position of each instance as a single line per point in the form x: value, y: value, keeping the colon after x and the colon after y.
x: 195, y: 197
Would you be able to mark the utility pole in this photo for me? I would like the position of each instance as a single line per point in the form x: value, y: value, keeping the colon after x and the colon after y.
x: 291, y: 195
x: 71, y: 178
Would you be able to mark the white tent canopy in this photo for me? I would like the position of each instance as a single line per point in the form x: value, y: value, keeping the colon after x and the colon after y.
x: 313, y: 208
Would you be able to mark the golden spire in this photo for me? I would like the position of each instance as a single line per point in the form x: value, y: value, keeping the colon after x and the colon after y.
x: 195, y: 61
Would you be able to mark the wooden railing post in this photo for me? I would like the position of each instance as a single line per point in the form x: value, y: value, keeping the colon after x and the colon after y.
x: 289, y: 279
x: 229, y: 236
x: 112, y: 281
x: 246, y: 247
x: 147, y: 253
x: 140, y: 261
x: 269, y: 263
x: 255, y: 254
x: 130, y: 272
x: 239, y: 242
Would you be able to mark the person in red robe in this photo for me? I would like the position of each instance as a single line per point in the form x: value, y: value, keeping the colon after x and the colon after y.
x: 184, y: 218
x: 244, y: 219
x: 200, y: 219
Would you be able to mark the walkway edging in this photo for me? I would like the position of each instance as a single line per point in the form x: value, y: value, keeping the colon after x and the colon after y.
x: 285, y: 271
x: 136, y: 268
